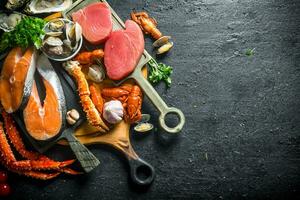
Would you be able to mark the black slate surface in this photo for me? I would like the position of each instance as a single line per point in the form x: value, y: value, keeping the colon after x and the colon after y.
x: 241, y: 139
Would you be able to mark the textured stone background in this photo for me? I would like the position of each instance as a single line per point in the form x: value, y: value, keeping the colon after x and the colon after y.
x: 241, y: 139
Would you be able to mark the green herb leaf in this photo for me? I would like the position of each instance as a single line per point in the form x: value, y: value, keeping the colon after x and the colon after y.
x: 160, y: 72
x: 27, y: 32
x: 250, y: 52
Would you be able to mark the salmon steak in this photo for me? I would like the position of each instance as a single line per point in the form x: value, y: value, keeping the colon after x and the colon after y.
x: 96, y: 22
x: 123, y: 50
x: 16, y: 78
x: 45, y: 118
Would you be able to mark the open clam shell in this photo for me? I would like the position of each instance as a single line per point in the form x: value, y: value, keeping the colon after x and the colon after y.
x: 56, y: 43
x: 143, y: 127
x: 165, y: 48
x: 161, y: 41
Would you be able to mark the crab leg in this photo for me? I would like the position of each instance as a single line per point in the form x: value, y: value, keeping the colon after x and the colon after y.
x: 18, y: 144
x: 9, y: 158
x: 93, y: 116
x: 32, y: 174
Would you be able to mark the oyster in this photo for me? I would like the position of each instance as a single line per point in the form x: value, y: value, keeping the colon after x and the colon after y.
x: 47, y: 6
x: 14, y: 4
x: 9, y: 22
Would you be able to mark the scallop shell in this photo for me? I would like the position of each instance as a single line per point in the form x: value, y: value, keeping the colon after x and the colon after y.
x: 46, y: 6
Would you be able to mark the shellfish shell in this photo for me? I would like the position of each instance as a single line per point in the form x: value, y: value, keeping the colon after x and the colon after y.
x: 9, y: 22
x: 165, y: 48
x: 56, y: 50
x: 53, y: 41
x: 96, y: 73
x: 46, y: 6
x: 161, y: 41
x: 56, y: 25
x: 54, y: 34
x: 143, y: 127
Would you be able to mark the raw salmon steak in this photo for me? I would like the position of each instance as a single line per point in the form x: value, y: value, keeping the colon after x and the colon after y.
x: 16, y: 78
x: 123, y: 51
x: 44, y: 118
x: 96, y: 22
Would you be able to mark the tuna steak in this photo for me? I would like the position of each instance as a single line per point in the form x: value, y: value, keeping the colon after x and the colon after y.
x: 123, y: 51
x: 96, y: 22
x: 44, y: 120
x: 16, y: 78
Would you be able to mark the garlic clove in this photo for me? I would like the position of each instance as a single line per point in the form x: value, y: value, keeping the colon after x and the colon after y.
x: 72, y: 116
x: 113, y: 111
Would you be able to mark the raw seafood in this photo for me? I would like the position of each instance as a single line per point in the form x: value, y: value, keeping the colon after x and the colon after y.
x: 96, y: 22
x: 43, y: 120
x: 131, y: 98
x: 35, y: 163
x: 93, y: 116
x: 147, y: 24
x: 46, y: 6
x: 87, y: 57
x: 123, y: 51
x: 16, y: 78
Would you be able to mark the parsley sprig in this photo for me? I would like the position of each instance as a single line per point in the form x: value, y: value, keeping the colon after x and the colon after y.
x: 27, y: 32
x: 160, y: 72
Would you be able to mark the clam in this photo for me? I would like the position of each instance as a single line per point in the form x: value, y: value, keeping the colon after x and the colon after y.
x: 74, y: 32
x: 56, y: 50
x: 56, y: 25
x: 96, y: 73
x: 161, y: 41
x: 165, y: 48
x: 54, y: 34
x: 46, y: 6
x: 53, y: 41
x: 144, y: 118
x: 143, y: 127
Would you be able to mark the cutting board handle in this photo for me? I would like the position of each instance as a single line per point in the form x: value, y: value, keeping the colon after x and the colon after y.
x: 159, y: 103
x: 141, y: 172
x: 86, y: 158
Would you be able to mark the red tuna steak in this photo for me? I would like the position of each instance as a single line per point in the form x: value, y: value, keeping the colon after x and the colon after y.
x: 96, y: 22
x: 123, y: 51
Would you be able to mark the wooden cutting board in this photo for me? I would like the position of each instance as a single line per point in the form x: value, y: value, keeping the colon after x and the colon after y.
x: 118, y: 138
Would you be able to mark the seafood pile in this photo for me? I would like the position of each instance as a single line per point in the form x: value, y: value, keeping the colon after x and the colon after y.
x: 62, y: 39
x: 45, y: 115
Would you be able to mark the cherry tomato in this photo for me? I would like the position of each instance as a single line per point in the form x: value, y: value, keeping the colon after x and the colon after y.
x: 3, y: 177
x: 4, y: 189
